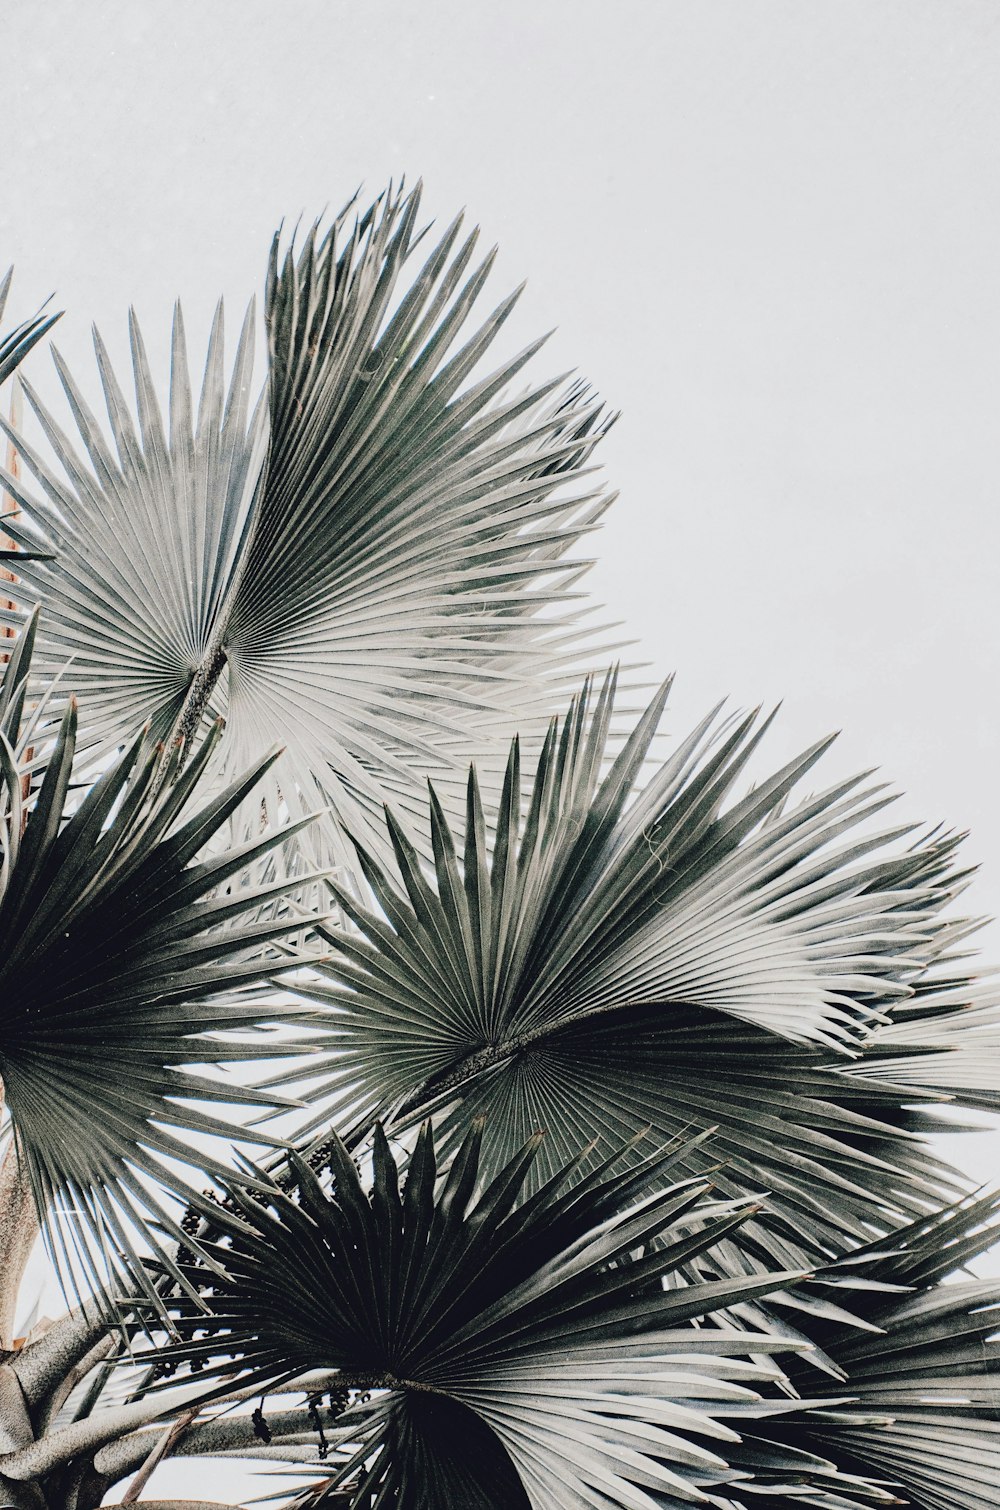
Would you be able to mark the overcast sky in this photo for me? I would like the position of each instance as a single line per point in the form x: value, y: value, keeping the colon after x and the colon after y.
x: 767, y: 230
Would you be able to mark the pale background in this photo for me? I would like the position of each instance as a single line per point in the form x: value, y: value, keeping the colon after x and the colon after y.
x: 768, y: 230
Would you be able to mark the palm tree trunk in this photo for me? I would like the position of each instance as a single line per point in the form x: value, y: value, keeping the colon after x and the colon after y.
x: 18, y: 1220
x: 7, y: 504
x: 18, y: 1230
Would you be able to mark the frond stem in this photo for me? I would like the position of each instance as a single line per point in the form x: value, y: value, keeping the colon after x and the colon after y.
x: 203, y: 684
x: 18, y: 1230
x: 485, y: 1058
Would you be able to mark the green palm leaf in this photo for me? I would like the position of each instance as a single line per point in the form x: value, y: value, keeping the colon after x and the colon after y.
x: 609, y: 960
x: 369, y: 567
x: 519, y: 1354
x: 124, y: 957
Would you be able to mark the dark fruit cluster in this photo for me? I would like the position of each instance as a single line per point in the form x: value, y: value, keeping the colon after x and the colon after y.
x: 261, y: 1430
x: 313, y: 1404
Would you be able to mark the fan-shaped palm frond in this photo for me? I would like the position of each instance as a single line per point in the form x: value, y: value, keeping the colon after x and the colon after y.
x: 369, y: 568
x: 922, y: 1376
x: 123, y: 958
x: 518, y: 1354
x: 143, y: 541
x: 613, y: 961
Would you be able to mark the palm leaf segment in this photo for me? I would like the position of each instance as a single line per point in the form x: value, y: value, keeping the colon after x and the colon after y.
x: 920, y: 1371
x: 945, y: 1038
x: 123, y: 958
x: 611, y: 962
x: 357, y: 569
x: 14, y: 347
x: 16, y: 343
x: 519, y: 1356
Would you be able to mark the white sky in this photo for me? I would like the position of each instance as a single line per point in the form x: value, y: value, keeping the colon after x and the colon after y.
x: 769, y: 232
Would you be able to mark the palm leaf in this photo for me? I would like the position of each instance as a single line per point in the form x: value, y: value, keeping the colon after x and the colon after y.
x: 124, y: 957
x: 519, y: 1354
x: 922, y: 1376
x: 609, y: 960
x: 371, y: 567
x: 14, y: 347
x: 945, y: 1038
x: 144, y: 537
x: 16, y: 343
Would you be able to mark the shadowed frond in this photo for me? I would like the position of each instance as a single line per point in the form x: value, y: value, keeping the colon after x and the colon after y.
x: 124, y: 957
x: 609, y: 960
x: 515, y: 1354
x: 371, y: 567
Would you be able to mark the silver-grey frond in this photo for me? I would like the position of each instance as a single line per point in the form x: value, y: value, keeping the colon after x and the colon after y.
x: 374, y: 566
x: 609, y: 960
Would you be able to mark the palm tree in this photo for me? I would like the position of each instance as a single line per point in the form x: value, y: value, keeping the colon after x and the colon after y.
x: 586, y: 1164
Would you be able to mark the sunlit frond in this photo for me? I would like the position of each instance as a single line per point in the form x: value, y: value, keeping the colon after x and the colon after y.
x: 144, y: 539
x: 375, y: 566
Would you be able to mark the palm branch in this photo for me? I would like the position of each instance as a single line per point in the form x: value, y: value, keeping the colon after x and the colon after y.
x: 611, y: 959
x: 517, y: 1354
x: 124, y: 957
x: 370, y: 565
